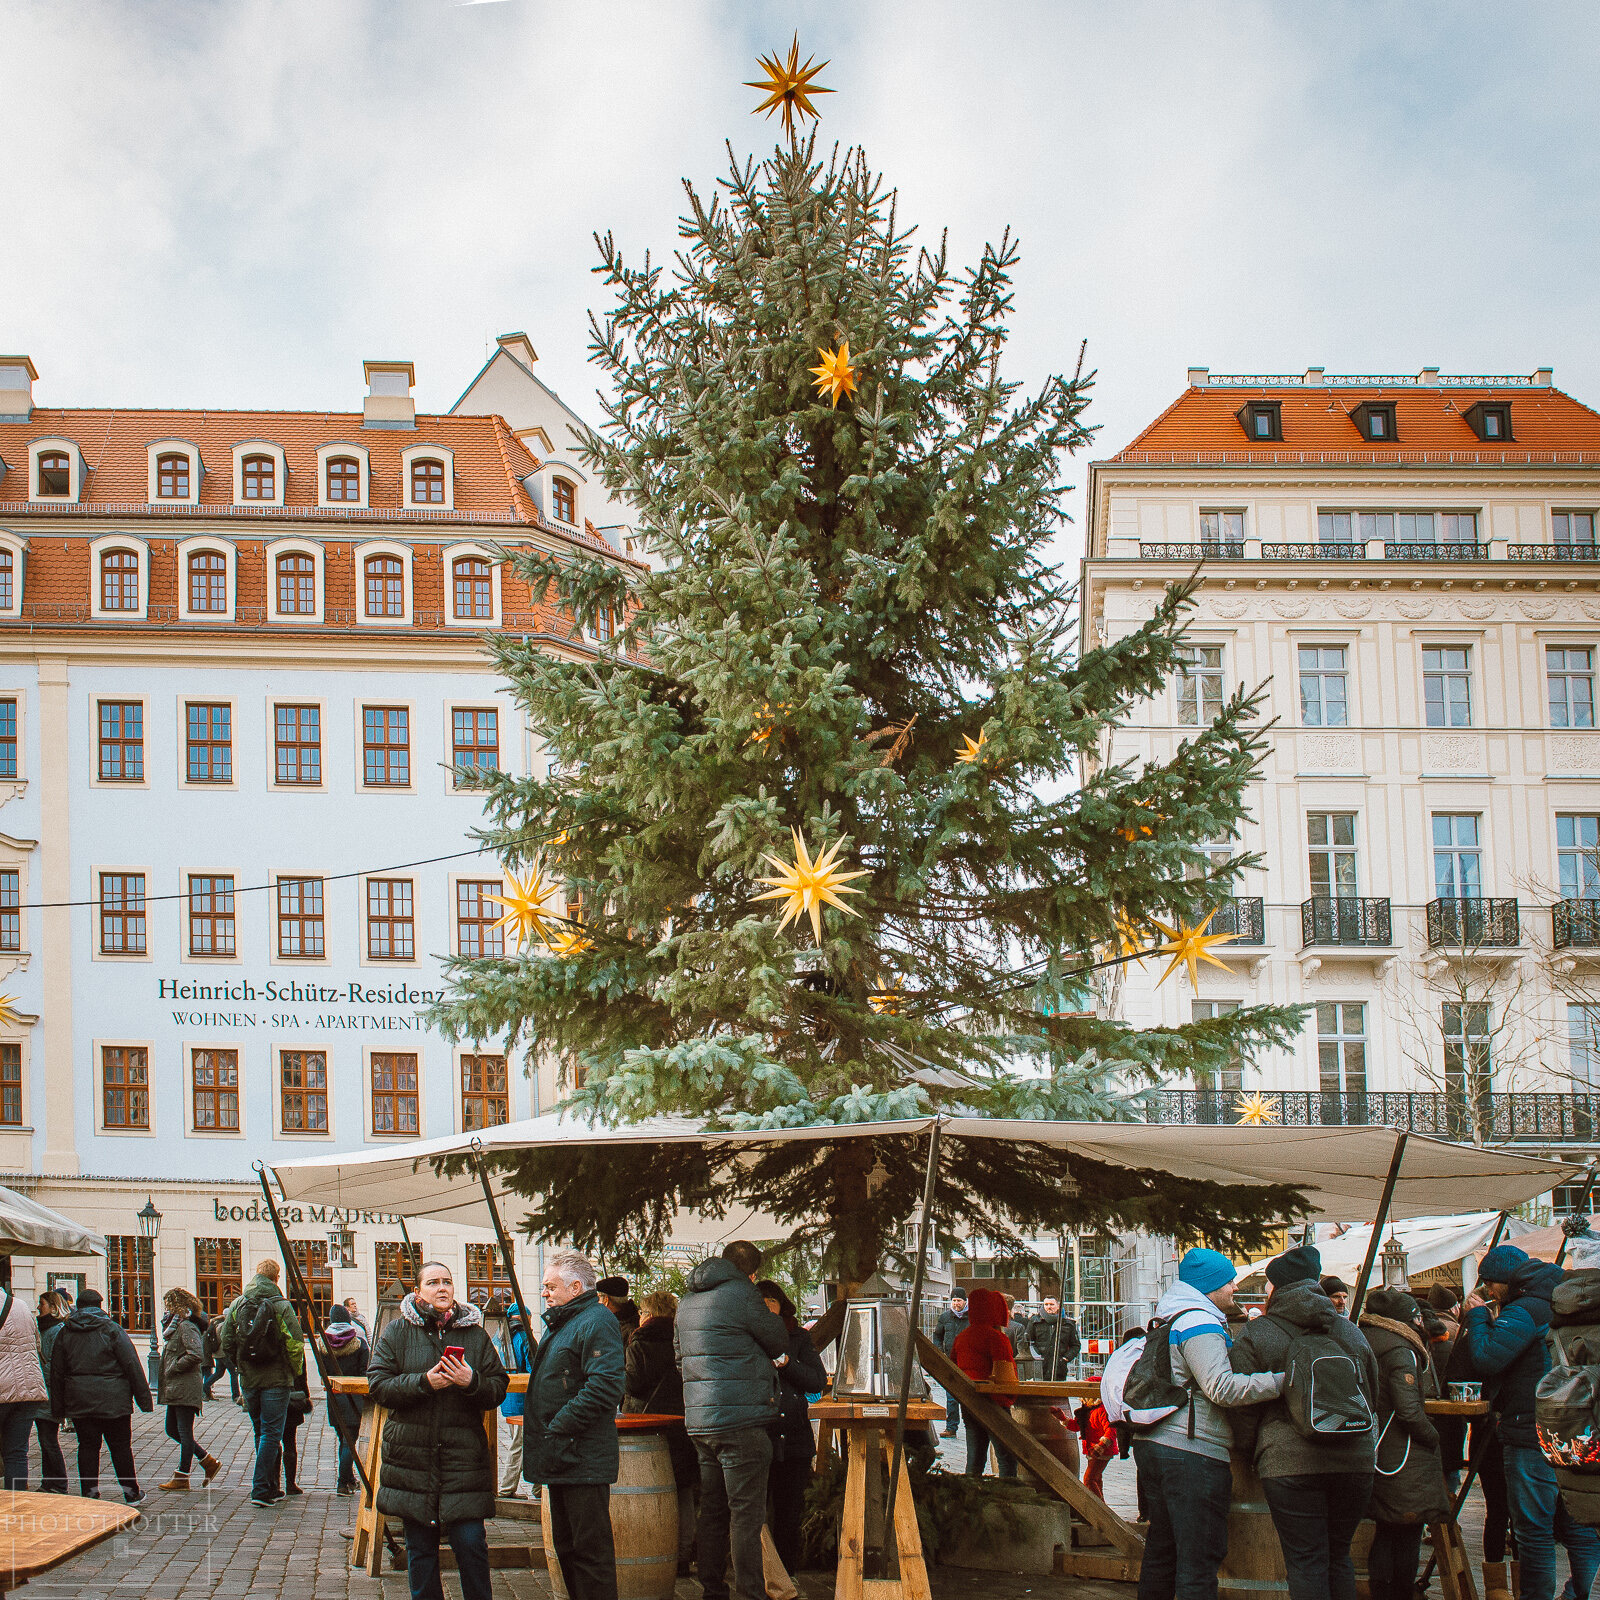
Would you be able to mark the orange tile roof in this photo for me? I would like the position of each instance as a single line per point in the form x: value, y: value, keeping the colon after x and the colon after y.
x: 1202, y: 424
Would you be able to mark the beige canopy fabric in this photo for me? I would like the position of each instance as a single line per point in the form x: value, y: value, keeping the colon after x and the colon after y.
x: 1342, y: 1170
x: 30, y: 1229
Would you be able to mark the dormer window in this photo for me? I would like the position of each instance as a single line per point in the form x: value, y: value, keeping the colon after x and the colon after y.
x: 55, y: 474
x: 119, y: 581
x: 1262, y: 420
x: 385, y: 586
x: 208, y: 581
x: 172, y: 477
x: 260, y: 478
x: 1375, y: 419
x: 563, y: 500
x: 1490, y: 420
x: 474, y: 589
x: 297, y: 584
x: 427, y: 482
x: 344, y: 479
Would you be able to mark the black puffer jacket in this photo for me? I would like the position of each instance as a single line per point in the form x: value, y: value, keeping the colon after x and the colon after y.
x: 654, y: 1383
x: 1044, y: 1333
x: 801, y: 1375
x: 1506, y: 1349
x: 436, y: 1466
x: 94, y: 1369
x: 726, y: 1342
x: 1409, y: 1485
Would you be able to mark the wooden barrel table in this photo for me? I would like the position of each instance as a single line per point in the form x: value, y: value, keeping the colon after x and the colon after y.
x: 644, y: 1513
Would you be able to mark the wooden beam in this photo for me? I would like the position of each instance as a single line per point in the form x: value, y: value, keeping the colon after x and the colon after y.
x: 1004, y: 1429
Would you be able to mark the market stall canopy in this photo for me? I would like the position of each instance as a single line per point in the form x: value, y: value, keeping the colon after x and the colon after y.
x: 1341, y: 1170
x: 30, y: 1229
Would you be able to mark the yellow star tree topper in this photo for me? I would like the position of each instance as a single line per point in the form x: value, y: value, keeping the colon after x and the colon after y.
x: 805, y: 885
x: 789, y: 86
x: 1256, y: 1110
x: 9, y: 1015
x: 1188, y: 947
x: 525, y: 917
x: 836, y: 376
x: 972, y: 749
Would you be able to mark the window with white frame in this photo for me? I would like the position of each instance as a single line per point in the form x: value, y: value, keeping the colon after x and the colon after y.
x: 1331, y: 851
x: 1578, y: 855
x: 1342, y: 1047
x: 1221, y: 527
x: 1324, y: 688
x: 1569, y: 677
x: 1447, y: 686
x: 1231, y: 1077
x: 1199, y: 684
x: 1457, y: 857
x: 1583, y: 1045
x: 1468, y: 1054
x: 1572, y: 527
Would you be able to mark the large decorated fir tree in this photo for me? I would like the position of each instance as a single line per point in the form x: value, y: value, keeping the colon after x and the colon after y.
x: 830, y: 811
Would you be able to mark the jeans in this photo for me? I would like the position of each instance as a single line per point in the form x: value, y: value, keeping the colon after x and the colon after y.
x: 50, y: 1457
x: 1316, y: 1515
x: 1492, y: 1480
x: 118, y: 1435
x: 209, y: 1381
x: 580, y: 1531
x: 1540, y: 1520
x: 1393, y: 1559
x: 16, y: 1428
x: 978, y: 1449
x: 471, y: 1546
x: 291, y: 1449
x: 268, y: 1408
x: 1187, y: 1495
x: 733, y: 1506
x: 344, y: 1417
x: 180, y: 1429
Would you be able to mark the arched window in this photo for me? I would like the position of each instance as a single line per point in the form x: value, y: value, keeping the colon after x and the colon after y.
x: 55, y: 473
x: 119, y: 581
x: 208, y: 581
x: 386, y: 586
x: 344, y: 479
x: 6, y: 591
x: 172, y: 477
x: 297, y: 585
x: 474, y: 588
x: 260, y: 478
x: 563, y: 500
x: 427, y: 483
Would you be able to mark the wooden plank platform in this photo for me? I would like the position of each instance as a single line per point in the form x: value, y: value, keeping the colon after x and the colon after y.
x: 40, y: 1531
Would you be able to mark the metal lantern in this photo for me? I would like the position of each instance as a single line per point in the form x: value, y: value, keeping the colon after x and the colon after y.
x: 1396, y: 1265
x: 875, y: 1346
x: 341, y: 1246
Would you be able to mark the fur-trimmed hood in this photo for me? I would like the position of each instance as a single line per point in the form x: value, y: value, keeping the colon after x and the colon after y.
x: 463, y: 1314
x: 1369, y: 1325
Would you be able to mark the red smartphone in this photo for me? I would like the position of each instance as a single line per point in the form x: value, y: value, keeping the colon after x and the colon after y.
x: 456, y: 1350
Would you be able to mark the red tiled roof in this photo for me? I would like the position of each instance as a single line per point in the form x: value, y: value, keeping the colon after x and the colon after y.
x: 1547, y: 425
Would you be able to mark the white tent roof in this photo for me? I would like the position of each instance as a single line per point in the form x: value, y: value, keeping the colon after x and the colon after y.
x: 30, y: 1229
x: 1342, y: 1170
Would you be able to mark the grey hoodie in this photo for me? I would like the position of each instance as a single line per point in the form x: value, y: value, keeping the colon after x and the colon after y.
x: 1199, y: 1339
x: 1266, y: 1431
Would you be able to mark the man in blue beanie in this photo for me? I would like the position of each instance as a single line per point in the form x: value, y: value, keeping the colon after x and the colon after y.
x: 1182, y: 1460
x: 1502, y: 1335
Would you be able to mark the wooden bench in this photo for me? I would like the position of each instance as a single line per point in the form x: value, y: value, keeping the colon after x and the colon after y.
x: 40, y: 1531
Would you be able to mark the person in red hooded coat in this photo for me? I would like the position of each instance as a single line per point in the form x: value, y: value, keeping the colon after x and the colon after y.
x: 983, y: 1351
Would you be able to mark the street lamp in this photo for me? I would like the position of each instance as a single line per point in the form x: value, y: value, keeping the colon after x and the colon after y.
x: 341, y: 1246
x: 149, y: 1230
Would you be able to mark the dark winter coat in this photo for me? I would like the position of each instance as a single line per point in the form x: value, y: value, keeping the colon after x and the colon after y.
x: 1042, y: 1336
x: 1508, y: 1351
x: 1265, y: 1432
x: 803, y: 1374
x: 49, y: 1328
x: 1409, y: 1485
x: 655, y: 1385
x: 182, y: 1356
x: 436, y: 1463
x: 575, y: 1384
x: 287, y: 1360
x: 94, y: 1369
x: 947, y: 1328
x: 346, y: 1344
x: 726, y: 1342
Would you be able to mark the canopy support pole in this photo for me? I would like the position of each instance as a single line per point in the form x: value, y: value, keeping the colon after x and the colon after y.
x: 500, y: 1233
x: 929, y: 1180
x: 335, y: 1413
x: 1582, y: 1211
x: 1377, y: 1225
x: 407, y: 1256
x: 1061, y: 1313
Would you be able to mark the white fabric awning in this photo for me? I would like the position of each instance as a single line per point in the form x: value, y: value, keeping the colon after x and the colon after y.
x: 30, y: 1229
x: 1341, y: 1170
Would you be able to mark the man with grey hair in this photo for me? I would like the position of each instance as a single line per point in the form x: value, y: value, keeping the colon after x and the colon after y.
x: 569, y: 1424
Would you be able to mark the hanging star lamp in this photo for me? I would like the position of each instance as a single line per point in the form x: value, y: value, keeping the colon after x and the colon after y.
x: 971, y: 750
x: 789, y: 86
x: 10, y: 1017
x: 887, y: 1002
x: 1128, y: 938
x: 806, y: 885
x: 1188, y: 947
x: 525, y: 918
x: 835, y: 376
x: 1140, y: 830
x: 1257, y: 1110
x: 569, y: 941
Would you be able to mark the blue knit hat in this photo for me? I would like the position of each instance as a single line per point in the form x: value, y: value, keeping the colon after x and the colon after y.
x: 1206, y: 1270
x: 1500, y: 1263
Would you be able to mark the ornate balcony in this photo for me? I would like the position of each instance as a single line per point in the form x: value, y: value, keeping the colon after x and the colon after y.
x: 1553, y: 552
x: 1227, y: 551
x: 1471, y: 923
x: 1436, y: 552
x: 1245, y: 919
x: 1577, y: 924
x: 1314, y: 552
x: 1344, y: 920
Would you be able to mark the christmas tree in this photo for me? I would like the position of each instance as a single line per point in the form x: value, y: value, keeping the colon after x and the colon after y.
x: 830, y: 815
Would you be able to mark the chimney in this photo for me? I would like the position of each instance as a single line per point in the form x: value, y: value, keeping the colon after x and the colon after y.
x: 519, y: 347
x: 1428, y: 378
x: 16, y: 388
x: 1199, y: 377
x: 1316, y: 377
x: 1543, y: 377
x: 389, y: 403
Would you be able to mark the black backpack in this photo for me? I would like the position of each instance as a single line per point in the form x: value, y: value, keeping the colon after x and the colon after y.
x: 263, y: 1339
x: 1149, y: 1389
x: 1322, y: 1390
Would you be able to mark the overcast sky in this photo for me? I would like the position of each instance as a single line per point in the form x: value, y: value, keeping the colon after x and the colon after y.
x: 232, y: 204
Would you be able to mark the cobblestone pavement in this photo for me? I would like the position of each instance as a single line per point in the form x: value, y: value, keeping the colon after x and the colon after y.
x: 214, y: 1542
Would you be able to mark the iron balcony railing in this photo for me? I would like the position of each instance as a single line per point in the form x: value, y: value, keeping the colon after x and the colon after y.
x: 1436, y: 552
x: 1225, y: 551
x: 1344, y: 919
x: 1465, y: 1115
x: 1314, y: 552
x: 1245, y: 919
x: 1553, y: 552
x: 1474, y: 922
x: 1577, y: 924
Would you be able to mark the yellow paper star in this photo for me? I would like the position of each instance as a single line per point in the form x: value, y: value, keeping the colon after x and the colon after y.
x: 769, y: 719
x: 835, y: 376
x: 1188, y: 947
x: 1129, y: 937
x: 8, y: 1012
x: 569, y: 941
x: 525, y: 918
x: 1139, y: 830
x: 887, y: 1002
x: 972, y: 749
x: 1257, y: 1110
x: 807, y: 885
x: 789, y: 86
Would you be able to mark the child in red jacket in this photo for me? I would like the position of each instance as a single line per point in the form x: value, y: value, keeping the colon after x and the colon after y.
x: 983, y: 1351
